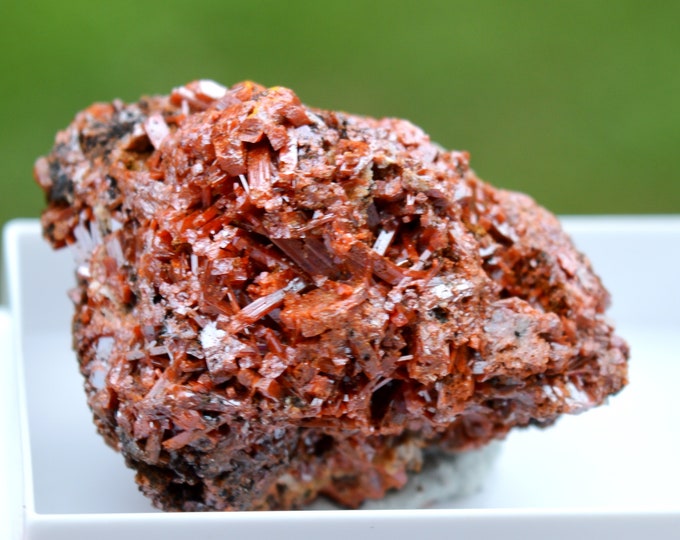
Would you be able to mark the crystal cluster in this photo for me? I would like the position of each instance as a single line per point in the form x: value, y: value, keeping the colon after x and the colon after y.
x: 276, y: 302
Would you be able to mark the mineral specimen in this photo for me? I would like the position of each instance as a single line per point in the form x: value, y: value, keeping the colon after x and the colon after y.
x: 276, y: 302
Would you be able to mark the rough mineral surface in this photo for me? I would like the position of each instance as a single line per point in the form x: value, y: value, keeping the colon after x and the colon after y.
x: 275, y: 302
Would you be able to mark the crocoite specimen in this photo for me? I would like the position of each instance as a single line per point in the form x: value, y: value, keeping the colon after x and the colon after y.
x: 275, y: 302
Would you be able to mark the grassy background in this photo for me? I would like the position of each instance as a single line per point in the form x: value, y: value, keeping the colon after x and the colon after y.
x: 574, y: 102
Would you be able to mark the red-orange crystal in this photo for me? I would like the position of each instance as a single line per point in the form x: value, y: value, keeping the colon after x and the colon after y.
x: 275, y: 302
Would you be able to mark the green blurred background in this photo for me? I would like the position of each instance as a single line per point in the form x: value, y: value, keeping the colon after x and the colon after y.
x: 576, y: 103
